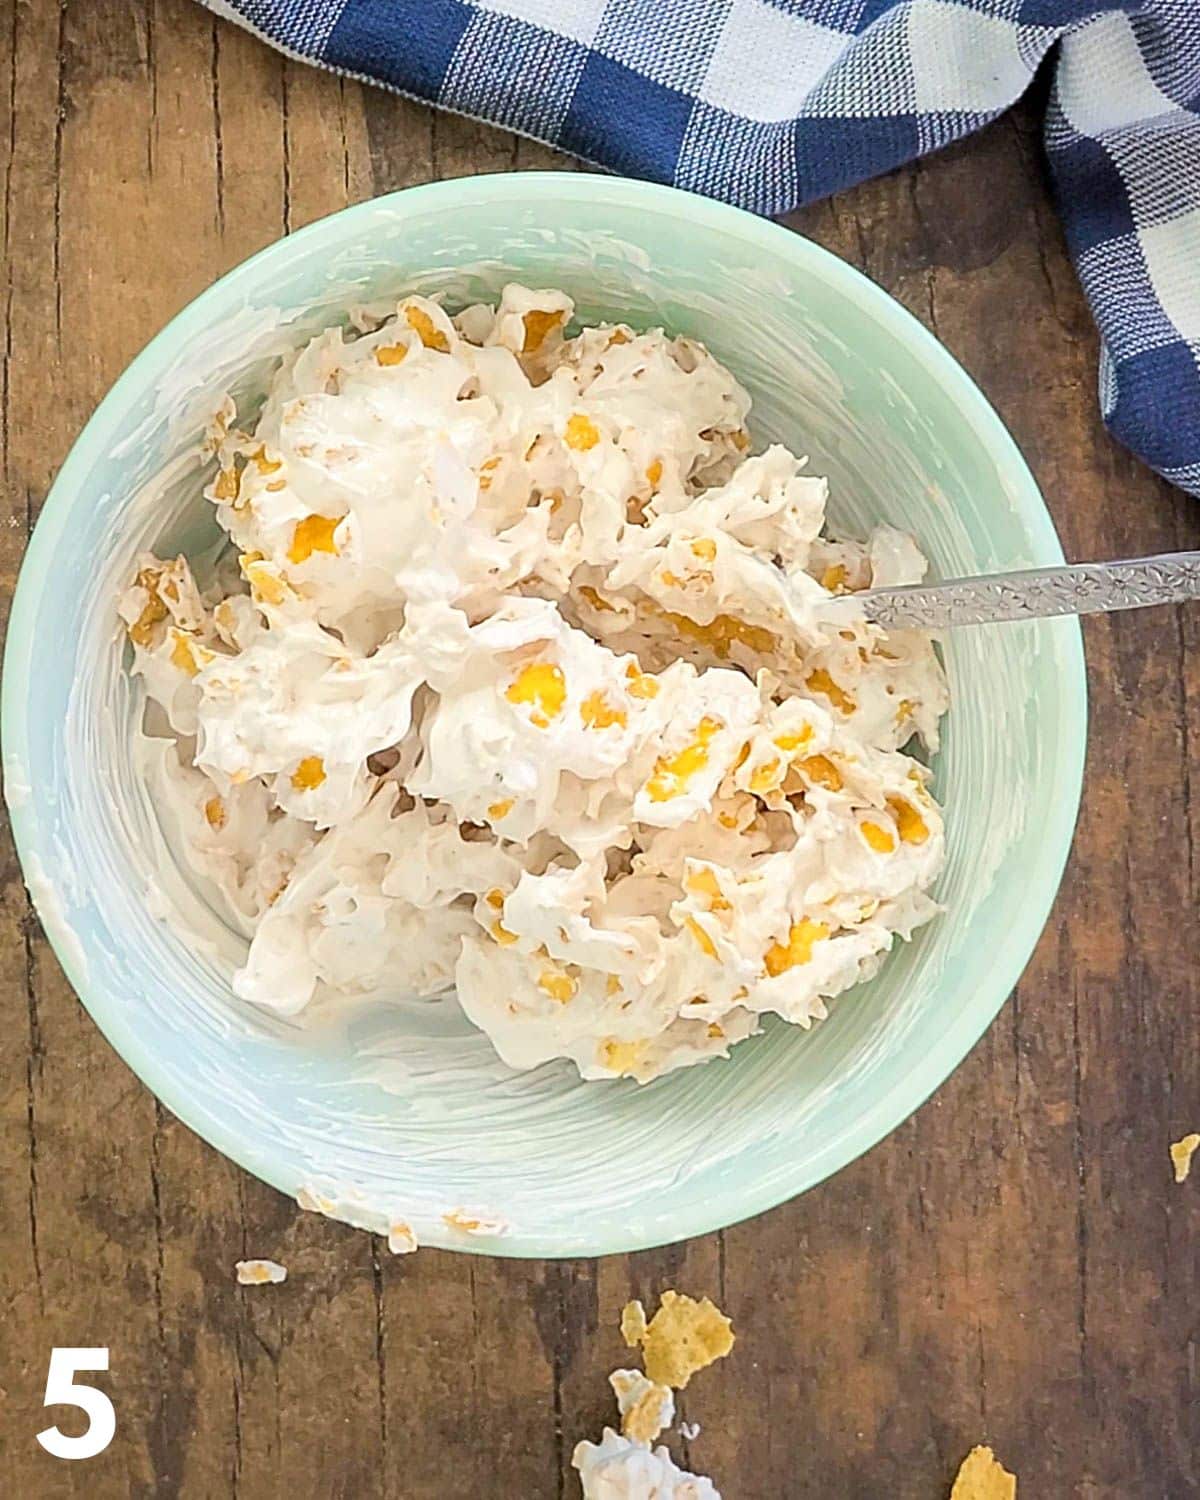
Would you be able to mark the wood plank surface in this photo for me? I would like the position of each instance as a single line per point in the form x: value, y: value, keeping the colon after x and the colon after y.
x: 1013, y: 1265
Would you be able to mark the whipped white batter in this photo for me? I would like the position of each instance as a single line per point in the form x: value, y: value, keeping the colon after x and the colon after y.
x: 616, y: 1468
x: 520, y: 676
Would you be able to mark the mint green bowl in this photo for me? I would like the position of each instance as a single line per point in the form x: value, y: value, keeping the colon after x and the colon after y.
x: 408, y: 1114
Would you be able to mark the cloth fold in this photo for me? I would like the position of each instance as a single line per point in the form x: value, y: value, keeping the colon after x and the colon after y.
x: 770, y: 104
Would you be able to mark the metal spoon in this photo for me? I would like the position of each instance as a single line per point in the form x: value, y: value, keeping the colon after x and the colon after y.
x: 1037, y: 593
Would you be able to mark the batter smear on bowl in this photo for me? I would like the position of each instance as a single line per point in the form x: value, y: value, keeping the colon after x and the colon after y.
x: 519, y: 676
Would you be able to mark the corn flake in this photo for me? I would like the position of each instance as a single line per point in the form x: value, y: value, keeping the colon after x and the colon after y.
x: 633, y: 1323
x: 309, y: 774
x: 1182, y: 1152
x: 542, y: 685
x: 581, y: 433
x: 538, y: 324
x: 682, y: 1337
x: 313, y: 534
x: 819, y: 681
x: 983, y: 1477
x: 621, y: 1057
x: 426, y: 329
x: 646, y: 1409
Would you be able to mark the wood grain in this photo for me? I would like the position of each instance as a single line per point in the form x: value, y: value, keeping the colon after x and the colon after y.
x: 1012, y: 1265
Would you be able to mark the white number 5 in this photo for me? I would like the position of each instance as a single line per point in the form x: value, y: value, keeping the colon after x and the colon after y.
x: 61, y: 1390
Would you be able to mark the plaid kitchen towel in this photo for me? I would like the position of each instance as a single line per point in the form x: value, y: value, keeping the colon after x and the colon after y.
x: 772, y: 103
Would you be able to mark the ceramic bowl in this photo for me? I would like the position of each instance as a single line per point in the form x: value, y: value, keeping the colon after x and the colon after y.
x: 406, y: 1113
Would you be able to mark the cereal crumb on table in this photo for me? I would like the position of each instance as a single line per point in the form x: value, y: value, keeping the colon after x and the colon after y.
x: 633, y: 1323
x: 983, y: 1477
x: 682, y: 1337
x: 1182, y: 1153
x: 260, y: 1272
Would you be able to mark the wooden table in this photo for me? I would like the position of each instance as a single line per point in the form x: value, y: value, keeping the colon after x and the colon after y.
x: 1013, y: 1265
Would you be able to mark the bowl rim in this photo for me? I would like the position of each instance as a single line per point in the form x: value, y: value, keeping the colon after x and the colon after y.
x: 750, y: 1196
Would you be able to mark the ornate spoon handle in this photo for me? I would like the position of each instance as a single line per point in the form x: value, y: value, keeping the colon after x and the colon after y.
x: 1036, y: 593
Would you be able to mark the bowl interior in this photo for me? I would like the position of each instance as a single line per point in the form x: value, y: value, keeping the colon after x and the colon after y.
x: 405, y: 1112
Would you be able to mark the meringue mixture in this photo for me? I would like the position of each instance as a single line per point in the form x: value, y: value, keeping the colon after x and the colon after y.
x: 521, y: 677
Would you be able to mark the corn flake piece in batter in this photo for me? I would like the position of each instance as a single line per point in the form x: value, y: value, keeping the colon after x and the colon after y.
x: 646, y: 1408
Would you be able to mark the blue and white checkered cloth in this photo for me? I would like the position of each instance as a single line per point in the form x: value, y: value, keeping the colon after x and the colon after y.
x: 772, y: 103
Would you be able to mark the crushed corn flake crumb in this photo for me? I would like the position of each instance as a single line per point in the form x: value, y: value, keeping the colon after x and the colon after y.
x: 821, y: 682
x: 309, y: 774
x: 707, y: 946
x: 983, y: 1477
x: 673, y: 772
x: 765, y: 778
x: 633, y: 1323
x: 182, y: 657
x: 802, y: 938
x: 1182, y: 1152
x: 538, y: 324
x: 821, y: 771
x: 581, y: 433
x: 723, y: 632
x: 912, y: 826
x: 226, y: 485
x: 598, y: 713
x: 623, y: 1058
x: 313, y: 534
x: 541, y: 685
x: 426, y: 329
x: 646, y: 1408
x: 682, y: 1337
x: 703, y: 882
x: 559, y: 987
x: 641, y: 684
x: 877, y: 836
